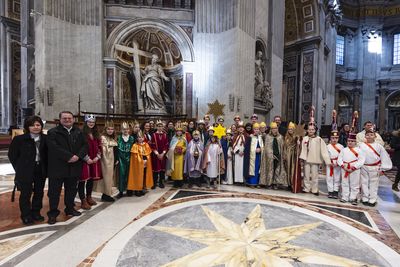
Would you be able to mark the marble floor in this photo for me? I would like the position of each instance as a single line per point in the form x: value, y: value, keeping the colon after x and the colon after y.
x: 232, y: 226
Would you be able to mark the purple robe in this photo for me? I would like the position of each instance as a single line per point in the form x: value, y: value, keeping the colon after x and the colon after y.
x: 193, y: 164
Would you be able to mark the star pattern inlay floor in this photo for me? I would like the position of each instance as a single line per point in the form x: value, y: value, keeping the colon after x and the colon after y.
x: 250, y: 244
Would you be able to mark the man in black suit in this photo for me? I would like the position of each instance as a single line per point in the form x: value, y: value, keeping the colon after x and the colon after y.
x: 28, y: 156
x: 67, y: 149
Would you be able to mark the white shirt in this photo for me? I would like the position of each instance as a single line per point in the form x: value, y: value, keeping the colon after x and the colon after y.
x: 371, y: 157
x: 346, y: 156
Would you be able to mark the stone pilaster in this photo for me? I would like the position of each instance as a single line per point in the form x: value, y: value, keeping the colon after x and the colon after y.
x: 382, y: 91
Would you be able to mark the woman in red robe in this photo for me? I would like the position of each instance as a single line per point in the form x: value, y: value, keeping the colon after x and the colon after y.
x: 91, y: 169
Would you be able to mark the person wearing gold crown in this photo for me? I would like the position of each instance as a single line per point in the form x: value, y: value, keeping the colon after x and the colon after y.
x: 313, y: 153
x: 290, y: 152
x: 239, y: 141
x: 273, y: 173
x: 91, y: 169
x: 213, y: 159
x: 159, y: 145
x: 193, y: 160
x: 175, y: 156
x: 377, y: 160
x: 350, y: 159
x: 125, y: 142
x: 140, y: 170
x: 253, y: 157
x: 109, y: 150
x: 333, y: 171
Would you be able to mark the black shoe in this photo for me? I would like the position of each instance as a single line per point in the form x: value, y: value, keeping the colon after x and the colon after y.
x: 354, y: 202
x: 190, y: 185
x: 330, y: 194
x: 27, y: 220
x: 365, y: 203
x: 335, y: 195
x: 316, y: 194
x: 52, y: 220
x: 37, y: 217
x: 161, y: 185
x: 395, y: 187
x: 73, y: 212
x: 139, y: 193
x: 372, y: 204
x: 305, y: 192
x: 121, y: 194
x: 107, y: 198
x: 129, y: 193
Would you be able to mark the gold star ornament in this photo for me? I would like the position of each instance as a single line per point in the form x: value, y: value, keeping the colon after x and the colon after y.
x: 216, y: 109
x: 250, y: 244
x: 219, y: 131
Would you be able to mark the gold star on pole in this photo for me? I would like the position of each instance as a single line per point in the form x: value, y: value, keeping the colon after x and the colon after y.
x: 216, y: 109
x: 250, y: 244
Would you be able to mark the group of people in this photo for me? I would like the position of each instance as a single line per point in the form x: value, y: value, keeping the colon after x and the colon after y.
x: 141, y: 157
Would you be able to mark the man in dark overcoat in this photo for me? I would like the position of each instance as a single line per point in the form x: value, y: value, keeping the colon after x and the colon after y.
x: 67, y: 150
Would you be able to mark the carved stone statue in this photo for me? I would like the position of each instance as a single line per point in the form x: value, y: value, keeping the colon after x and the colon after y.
x: 262, y: 89
x: 259, y: 68
x: 152, y: 88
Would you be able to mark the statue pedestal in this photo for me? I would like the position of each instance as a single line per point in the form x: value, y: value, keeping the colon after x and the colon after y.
x: 161, y: 111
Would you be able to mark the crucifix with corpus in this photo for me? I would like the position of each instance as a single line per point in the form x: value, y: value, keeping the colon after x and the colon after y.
x: 135, y: 65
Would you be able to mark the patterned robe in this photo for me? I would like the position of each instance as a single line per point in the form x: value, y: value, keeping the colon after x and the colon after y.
x: 107, y: 161
x: 124, y: 154
x: 272, y: 168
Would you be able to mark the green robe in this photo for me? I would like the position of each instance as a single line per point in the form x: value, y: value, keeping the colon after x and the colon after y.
x: 124, y: 154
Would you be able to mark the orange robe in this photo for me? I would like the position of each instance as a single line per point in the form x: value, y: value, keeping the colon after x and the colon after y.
x: 136, y: 167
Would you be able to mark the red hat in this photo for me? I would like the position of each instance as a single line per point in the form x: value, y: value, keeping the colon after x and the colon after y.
x: 334, y: 133
x: 352, y: 136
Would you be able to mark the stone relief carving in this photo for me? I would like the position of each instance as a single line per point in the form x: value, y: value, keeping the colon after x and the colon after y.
x: 262, y: 89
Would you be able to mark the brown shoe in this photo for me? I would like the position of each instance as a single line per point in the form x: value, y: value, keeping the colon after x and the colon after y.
x: 85, y: 205
x: 90, y: 201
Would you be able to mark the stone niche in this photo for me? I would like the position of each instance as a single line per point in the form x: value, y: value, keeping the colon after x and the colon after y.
x: 131, y: 47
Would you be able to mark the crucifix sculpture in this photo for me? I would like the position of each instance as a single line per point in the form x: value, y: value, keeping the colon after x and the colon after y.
x: 136, y: 52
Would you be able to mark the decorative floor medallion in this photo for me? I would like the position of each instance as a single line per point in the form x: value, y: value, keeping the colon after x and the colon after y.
x: 250, y: 244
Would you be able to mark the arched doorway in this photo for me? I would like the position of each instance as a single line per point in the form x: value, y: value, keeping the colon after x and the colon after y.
x: 130, y: 49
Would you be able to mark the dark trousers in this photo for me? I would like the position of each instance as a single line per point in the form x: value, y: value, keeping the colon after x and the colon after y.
x: 158, y: 177
x: 55, y: 186
x: 36, y: 185
x: 89, y: 188
x: 397, y: 180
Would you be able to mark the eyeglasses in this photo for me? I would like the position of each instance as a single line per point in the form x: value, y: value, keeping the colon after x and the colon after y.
x: 67, y: 119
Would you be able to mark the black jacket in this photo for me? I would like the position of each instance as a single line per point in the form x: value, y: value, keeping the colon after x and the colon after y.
x: 395, y: 144
x: 22, y: 155
x: 62, y: 147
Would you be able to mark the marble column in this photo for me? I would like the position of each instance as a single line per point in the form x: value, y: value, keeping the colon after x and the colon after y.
x: 356, y: 100
x: 381, y: 111
x: 383, y: 89
x: 5, y: 72
x: 27, y: 55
